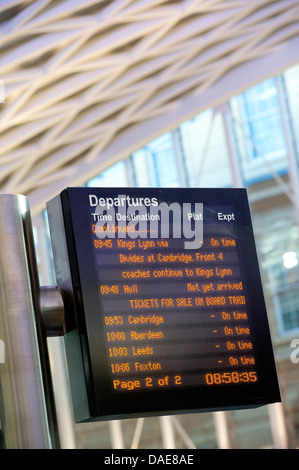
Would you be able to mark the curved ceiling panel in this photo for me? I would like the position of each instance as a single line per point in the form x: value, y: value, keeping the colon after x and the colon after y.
x: 86, y: 83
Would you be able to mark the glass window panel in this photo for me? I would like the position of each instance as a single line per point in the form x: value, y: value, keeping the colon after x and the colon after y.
x: 116, y: 175
x: 155, y: 164
x: 289, y: 304
x: 263, y: 118
x: 291, y: 80
x: 205, y: 151
x: 259, y: 132
x: 251, y: 428
x: 143, y: 168
x: 278, y: 244
x: 164, y: 161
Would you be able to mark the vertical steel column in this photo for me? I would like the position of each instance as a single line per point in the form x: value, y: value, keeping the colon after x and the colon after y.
x: 27, y: 411
x: 291, y: 150
x: 66, y: 423
x: 237, y: 179
x: 278, y: 425
x: 224, y: 439
x: 52, y: 310
x: 179, y: 158
x: 116, y: 434
x: 167, y: 432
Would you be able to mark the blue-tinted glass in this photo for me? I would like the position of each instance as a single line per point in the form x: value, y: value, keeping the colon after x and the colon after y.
x: 289, y: 304
x: 205, y: 150
x: 161, y: 152
x: 284, y: 281
x: 263, y: 119
x: 109, y: 177
x: 291, y: 83
x: 155, y: 164
x: 144, y: 172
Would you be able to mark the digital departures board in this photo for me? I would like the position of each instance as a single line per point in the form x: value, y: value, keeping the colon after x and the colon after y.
x: 175, y: 317
x: 167, y: 307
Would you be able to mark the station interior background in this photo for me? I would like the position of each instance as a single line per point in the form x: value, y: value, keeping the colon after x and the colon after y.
x: 186, y: 93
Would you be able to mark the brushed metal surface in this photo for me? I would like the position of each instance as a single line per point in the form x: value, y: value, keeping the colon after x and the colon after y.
x: 23, y: 408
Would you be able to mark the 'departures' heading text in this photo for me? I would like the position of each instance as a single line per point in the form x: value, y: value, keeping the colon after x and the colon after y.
x: 121, y: 201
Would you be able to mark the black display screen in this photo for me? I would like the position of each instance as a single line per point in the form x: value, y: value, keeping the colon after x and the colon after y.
x: 169, y: 302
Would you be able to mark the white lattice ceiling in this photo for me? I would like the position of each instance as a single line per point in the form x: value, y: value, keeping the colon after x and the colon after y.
x: 87, y: 82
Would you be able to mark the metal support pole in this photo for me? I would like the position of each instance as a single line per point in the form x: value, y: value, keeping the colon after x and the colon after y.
x: 237, y: 179
x: 65, y: 417
x: 278, y: 426
x: 116, y: 434
x: 137, y: 433
x: 167, y: 432
x: 52, y: 310
x: 222, y: 430
x: 27, y: 409
x: 291, y: 151
x: 179, y: 158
